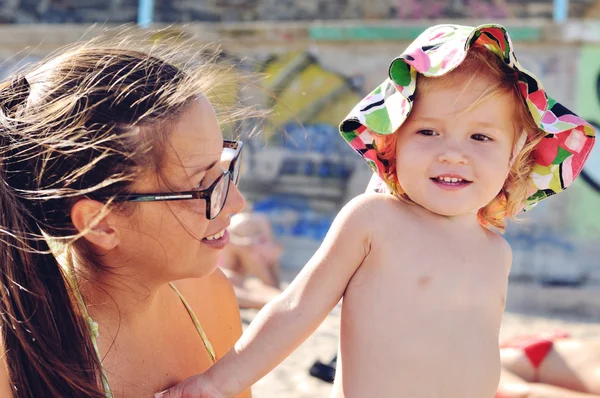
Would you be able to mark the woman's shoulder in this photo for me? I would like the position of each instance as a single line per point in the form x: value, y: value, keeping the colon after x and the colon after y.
x: 212, y: 291
x: 214, y: 303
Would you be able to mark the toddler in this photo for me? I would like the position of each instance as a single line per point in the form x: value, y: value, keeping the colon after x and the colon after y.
x: 462, y: 138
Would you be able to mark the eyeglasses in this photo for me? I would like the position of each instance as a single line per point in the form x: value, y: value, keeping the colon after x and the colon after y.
x: 215, y: 195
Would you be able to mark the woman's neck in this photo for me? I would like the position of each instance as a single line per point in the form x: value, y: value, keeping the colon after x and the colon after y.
x: 113, y: 294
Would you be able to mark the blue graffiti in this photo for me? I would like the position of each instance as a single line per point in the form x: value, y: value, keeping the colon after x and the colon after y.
x: 320, y: 158
x: 319, y: 138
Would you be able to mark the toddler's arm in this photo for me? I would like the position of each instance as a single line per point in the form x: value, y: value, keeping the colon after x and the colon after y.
x: 288, y: 320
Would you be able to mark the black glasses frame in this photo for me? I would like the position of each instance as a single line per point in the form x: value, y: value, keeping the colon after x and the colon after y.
x: 232, y: 172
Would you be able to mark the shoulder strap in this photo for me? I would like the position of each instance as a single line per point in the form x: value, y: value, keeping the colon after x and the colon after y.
x: 207, y: 344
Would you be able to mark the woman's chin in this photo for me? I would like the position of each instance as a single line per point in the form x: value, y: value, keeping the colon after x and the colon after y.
x: 202, y: 268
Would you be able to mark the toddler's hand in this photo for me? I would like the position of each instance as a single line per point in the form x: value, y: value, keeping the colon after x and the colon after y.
x: 192, y: 387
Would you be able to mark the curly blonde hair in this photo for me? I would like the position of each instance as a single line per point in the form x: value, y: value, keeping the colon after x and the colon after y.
x: 509, y: 201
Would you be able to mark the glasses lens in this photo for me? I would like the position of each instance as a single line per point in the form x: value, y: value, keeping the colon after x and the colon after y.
x: 230, y: 162
x: 235, y: 177
x: 227, y: 157
x: 219, y: 196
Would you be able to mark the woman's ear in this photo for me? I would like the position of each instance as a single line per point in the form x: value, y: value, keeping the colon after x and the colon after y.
x: 88, y: 218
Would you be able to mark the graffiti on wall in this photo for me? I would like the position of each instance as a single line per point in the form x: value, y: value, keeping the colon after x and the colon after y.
x: 555, y: 245
x: 298, y: 168
x: 558, y: 242
x: 589, y: 105
x: 123, y: 11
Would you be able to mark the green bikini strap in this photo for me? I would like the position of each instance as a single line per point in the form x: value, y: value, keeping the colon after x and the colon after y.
x: 207, y: 344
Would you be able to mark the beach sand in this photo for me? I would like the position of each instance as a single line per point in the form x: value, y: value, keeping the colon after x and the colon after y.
x: 531, y: 310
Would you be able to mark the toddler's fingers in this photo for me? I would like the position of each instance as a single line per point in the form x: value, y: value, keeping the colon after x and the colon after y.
x: 192, y: 387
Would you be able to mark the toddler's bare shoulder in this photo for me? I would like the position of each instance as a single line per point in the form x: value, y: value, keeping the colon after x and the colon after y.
x: 501, y: 248
x: 377, y: 209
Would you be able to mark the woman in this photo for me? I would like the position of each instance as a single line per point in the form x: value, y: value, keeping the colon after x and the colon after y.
x: 114, y: 208
x: 550, y: 365
x: 251, y: 261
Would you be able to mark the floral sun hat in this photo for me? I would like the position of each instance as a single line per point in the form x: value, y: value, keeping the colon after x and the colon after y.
x: 560, y: 155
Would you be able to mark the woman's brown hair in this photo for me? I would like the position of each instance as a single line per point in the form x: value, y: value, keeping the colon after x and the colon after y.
x: 83, y: 123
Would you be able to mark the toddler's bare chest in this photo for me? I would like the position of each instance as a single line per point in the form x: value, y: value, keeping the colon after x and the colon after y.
x: 425, y: 278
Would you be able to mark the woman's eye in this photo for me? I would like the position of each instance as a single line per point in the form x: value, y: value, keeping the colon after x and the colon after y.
x: 481, y: 137
x: 427, y: 133
x: 210, y: 176
x: 206, y: 181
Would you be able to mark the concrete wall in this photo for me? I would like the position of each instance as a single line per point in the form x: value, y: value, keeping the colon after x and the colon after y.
x: 181, y: 11
x: 300, y: 172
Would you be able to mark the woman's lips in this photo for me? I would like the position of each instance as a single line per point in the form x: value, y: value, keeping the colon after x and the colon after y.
x: 219, y: 243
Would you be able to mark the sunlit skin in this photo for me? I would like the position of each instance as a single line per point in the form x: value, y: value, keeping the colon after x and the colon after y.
x: 570, y: 370
x: 147, y: 339
x: 423, y: 284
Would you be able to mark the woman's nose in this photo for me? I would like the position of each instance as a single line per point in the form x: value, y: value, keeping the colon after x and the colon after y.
x: 235, y: 202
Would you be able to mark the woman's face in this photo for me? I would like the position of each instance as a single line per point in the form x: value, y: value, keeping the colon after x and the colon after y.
x: 173, y: 240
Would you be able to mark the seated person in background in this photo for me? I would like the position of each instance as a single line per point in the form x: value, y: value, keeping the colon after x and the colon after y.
x: 551, y: 365
x: 251, y: 260
x: 547, y: 365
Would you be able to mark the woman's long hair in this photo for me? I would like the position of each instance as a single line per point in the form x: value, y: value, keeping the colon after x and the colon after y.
x: 84, y: 123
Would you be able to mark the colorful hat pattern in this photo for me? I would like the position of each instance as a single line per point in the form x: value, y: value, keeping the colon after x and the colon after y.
x: 560, y: 155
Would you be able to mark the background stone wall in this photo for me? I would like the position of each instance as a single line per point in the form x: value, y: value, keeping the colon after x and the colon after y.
x: 300, y: 172
x: 182, y: 11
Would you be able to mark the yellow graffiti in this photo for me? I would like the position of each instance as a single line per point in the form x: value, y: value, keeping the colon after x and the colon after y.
x: 305, y: 92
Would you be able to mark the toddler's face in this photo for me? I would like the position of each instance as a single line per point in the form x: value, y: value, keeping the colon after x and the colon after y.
x: 452, y: 157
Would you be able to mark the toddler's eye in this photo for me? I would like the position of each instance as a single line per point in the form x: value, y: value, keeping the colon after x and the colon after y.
x: 427, y: 133
x: 481, y: 137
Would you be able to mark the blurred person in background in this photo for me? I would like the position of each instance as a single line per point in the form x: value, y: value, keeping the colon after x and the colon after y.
x: 251, y: 260
x: 550, y: 365
x: 114, y: 206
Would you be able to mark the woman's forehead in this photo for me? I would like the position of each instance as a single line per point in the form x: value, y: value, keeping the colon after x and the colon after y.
x: 196, y: 140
